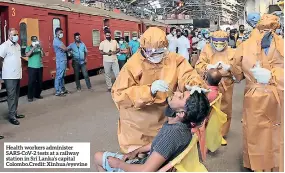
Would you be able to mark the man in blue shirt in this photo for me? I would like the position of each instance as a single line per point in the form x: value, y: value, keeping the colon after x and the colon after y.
x: 122, y: 55
x: 61, y: 61
x: 79, y: 60
x: 134, y: 44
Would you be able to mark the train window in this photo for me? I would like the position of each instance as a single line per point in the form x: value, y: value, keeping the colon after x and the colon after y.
x: 96, y: 37
x: 23, y: 37
x: 55, y: 24
x: 127, y: 36
x: 117, y: 34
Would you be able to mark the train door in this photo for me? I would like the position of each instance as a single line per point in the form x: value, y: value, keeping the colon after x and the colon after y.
x: 4, y: 23
x: 56, y: 22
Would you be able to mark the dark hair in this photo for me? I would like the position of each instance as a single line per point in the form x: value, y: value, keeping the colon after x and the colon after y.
x: 214, y: 80
x: 107, y: 32
x: 172, y: 28
x: 186, y: 33
x: 57, y: 29
x: 197, y: 108
x: 76, y: 34
x: 192, y: 33
x: 34, y: 37
x: 241, y: 26
x: 178, y: 30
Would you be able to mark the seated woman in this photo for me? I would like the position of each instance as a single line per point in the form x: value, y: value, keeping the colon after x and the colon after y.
x: 213, y: 78
x: 183, y: 110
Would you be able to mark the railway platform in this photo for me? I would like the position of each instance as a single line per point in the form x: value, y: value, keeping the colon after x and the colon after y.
x: 92, y: 117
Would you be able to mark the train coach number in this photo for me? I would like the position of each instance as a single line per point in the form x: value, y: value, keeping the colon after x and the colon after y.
x: 13, y: 12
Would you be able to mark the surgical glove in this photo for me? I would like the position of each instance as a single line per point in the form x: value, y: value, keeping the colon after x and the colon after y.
x: 210, y: 66
x: 192, y: 89
x: 225, y: 67
x: 261, y: 75
x: 159, y: 85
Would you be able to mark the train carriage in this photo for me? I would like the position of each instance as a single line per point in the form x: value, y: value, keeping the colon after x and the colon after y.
x: 42, y: 17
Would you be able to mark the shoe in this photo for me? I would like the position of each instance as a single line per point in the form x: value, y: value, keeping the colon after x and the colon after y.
x: 40, y: 97
x: 59, y: 95
x: 224, y: 142
x: 65, y: 92
x: 14, y: 121
x: 20, y: 116
x: 1, y: 137
x: 79, y: 90
x: 30, y: 100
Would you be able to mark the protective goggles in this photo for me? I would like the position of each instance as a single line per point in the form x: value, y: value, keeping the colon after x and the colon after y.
x: 149, y: 52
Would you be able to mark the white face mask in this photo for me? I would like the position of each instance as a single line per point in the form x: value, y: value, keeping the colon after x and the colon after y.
x: 156, y: 59
x: 121, y: 42
x: 207, y: 36
x: 199, y: 36
x: 220, y: 49
x: 196, y: 33
x: 15, y: 38
x: 174, y: 33
x: 135, y: 38
x: 35, y: 43
x: 60, y: 35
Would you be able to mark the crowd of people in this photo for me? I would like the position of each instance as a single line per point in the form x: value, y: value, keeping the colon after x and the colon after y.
x: 165, y: 84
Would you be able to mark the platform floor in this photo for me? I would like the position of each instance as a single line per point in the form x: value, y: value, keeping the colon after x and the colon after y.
x: 92, y: 117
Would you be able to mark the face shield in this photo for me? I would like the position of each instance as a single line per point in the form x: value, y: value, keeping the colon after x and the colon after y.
x: 219, y: 43
x: 154, y: 55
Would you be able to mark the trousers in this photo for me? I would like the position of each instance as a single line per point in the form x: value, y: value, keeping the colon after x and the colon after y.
x: 59, y: 78
x: 108, y: 67
x: 35, y: 82
x: 77, y: 67
x: 121, y: 63
x: 13, y: 93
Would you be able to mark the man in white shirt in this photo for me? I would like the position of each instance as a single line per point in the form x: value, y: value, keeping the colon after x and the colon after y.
x: 183, y: 45
x: 109, y: 49
x: 10, y: 54
x: 172, y: 40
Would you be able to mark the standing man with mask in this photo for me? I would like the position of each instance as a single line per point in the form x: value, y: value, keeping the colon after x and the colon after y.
x: 10, y: 54
x: 240, y: 35
x: 109, y: 49
x: 79, y: 60
x: 35, y: 69
x: 61, y: 62
x: 134, y: 44
x: 232, y: 39
x: 260, y: 60
x: 218, y: 55
x: 124, y: 50
x: 172, y: 40
x: 183, y: 45
x: 141, y: 89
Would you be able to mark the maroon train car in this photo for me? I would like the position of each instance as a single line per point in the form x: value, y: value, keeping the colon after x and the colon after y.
x: 42, y: 17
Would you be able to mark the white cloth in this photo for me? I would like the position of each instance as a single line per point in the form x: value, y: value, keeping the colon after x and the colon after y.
x: 201, y: 44
x: 107, y: 46
x: 159, y: 85
x: 262, y: 75
x: 12, y: 64
x: 194, y: 40
x: 192, y: 89
x: 172, y: 42
x: 183, y: 45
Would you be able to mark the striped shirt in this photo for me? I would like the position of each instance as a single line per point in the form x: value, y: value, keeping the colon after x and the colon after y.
x: 171, y: 140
